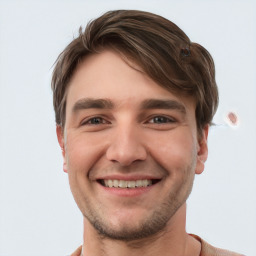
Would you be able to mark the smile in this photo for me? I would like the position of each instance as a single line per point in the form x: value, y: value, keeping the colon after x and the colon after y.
x: 128, y: 183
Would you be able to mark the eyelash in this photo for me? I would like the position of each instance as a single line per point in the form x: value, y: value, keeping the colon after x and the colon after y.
x: 101, y: 120
x: 89, y: 121
x: 163, y: 118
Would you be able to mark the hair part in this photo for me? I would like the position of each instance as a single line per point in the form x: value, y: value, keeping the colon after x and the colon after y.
x: 157, y: 45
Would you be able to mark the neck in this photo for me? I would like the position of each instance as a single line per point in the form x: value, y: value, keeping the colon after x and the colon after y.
x: 172, y: 241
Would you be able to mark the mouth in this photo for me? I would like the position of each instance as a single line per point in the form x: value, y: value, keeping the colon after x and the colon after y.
x: 128, y: 184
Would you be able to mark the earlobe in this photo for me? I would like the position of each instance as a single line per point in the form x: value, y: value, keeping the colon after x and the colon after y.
x: 202, y: 151
x: 60, y: 136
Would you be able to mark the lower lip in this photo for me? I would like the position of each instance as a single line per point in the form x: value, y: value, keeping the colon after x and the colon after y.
x: 127, y: 192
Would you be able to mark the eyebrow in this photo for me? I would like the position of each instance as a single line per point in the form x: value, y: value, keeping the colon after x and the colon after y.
x: 88, y: 103
x: 163, y: 104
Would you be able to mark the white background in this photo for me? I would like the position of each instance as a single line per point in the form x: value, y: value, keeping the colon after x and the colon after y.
x: 37, y: 213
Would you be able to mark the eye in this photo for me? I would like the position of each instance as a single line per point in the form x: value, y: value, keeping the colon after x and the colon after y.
x: 161, y: 120
x: 94, y: 121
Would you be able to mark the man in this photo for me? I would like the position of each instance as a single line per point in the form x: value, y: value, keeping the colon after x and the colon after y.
x: 134, y: 99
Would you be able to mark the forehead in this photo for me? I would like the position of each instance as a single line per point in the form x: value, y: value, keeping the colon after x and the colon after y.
x: 108, y: 75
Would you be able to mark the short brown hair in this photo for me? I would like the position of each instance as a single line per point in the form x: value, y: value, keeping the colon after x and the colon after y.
x: 157, y: 45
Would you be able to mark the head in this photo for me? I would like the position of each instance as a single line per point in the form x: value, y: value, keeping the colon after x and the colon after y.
x: 133, y: 99
x: 158, y: 46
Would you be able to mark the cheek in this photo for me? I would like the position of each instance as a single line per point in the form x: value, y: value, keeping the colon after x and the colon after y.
x: 174, y: 150
x: 81, y: 155
x: 82, y: 152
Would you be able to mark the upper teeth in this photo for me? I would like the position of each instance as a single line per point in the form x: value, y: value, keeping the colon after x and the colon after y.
x: 127, y: 183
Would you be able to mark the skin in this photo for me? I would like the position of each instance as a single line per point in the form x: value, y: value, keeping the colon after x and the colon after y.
x: 122, y: 125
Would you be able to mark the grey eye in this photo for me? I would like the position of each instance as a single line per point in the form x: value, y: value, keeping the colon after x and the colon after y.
x: 160, y: 120
x: 95, y: 120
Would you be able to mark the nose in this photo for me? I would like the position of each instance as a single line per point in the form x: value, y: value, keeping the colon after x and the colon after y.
x: 126, y: 146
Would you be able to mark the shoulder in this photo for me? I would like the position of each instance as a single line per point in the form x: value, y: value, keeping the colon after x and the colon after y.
x: 209, y: 250
x: 206, y: 249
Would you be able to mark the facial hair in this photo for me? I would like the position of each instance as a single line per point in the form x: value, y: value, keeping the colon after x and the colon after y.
x: 154, y: 223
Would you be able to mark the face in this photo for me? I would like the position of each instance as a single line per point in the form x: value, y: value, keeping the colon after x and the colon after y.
x: 130, y: 148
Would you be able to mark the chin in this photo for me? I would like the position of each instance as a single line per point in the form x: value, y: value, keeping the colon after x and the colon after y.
x: 127, y: 232
x: 131, y: 226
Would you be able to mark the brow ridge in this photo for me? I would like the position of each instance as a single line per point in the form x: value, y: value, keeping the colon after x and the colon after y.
x: 87, y: 103
x: 163, y: 104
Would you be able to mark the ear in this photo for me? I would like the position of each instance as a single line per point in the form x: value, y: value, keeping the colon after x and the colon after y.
x: 202, y: 150
x: 60, y: 136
